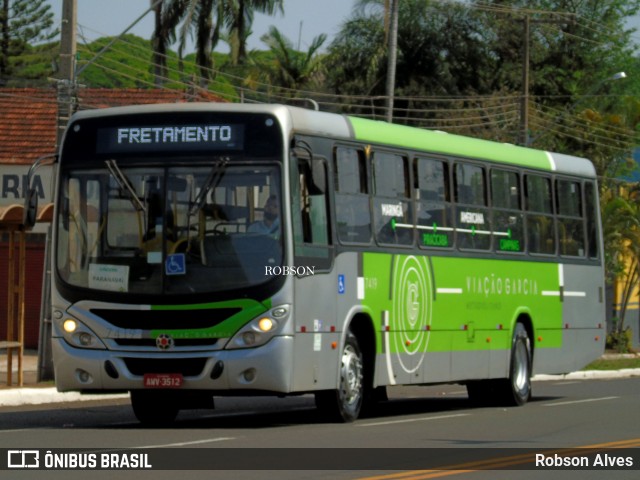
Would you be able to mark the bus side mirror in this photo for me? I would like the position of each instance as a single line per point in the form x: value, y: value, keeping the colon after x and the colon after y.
x: 30, y: 214
x: 30, y: 208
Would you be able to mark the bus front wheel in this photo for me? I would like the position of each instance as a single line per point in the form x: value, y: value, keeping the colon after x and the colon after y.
x: 345, y: 403
x: 154, y: 409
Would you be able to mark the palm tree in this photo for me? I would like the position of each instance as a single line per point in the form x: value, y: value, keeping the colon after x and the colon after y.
x: 199, y: 19
x: 621, y: 230
x: 239, y: 23
x: 207, y: 21
x: 158, y: 45
x: 289, y: 69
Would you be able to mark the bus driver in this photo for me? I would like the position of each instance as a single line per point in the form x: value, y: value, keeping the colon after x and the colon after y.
x: 270, y: 222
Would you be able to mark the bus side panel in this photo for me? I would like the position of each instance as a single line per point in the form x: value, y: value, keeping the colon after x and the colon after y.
x: 583, y: 327
x: 442, y: 319
x: 451, y: 319
x: 583, y: 309
x: 479, y: 301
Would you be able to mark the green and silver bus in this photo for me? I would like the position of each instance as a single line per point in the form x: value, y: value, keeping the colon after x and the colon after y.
x: 387, y: 255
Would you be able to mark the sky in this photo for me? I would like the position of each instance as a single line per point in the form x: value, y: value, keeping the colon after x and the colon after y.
x: 303, y: 19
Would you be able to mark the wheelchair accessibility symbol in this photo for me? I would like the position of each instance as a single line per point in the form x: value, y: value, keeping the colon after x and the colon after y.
x: 175, y: 264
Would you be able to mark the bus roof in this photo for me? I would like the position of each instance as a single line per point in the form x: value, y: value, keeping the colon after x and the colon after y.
x: 383, y: 133
x: 468, y: 147
x: 377, y: 132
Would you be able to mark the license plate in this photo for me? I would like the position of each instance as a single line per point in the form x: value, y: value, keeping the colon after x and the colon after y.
x: 163, y: 380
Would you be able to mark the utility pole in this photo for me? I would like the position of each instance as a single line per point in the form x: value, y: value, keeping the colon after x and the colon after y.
x: 67, y: 95
x: 67, y: 101
x: 524, y: 106
x: 393, y: 54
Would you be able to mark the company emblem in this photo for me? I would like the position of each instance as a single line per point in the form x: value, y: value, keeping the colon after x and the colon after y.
x: 165, y: 342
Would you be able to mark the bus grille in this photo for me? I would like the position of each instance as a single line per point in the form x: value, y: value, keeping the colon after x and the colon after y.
x: 166, y: 319
x: 179, y: 342
x: 188, y: 367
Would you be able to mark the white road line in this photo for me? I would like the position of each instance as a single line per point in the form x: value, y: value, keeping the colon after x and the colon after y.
x: 411, y: 420
x: 184, y: 444
x: 579, y: 401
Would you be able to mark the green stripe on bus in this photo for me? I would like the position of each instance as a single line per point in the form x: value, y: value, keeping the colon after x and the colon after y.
x: 249, y: 310
x: 437, y: 142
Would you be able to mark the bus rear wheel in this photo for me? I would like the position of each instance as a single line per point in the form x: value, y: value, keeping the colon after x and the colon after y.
x: 345, y: 403
x: 516, y: 390
x: 154, y: 409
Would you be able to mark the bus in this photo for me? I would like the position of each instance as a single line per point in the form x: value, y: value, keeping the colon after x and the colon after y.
x: 202, y: 250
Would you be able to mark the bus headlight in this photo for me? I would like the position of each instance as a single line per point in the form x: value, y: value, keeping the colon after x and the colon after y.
x: 266, y: 324
x: 69, y: 325
x: 260, y: 330
x: 79, y: 335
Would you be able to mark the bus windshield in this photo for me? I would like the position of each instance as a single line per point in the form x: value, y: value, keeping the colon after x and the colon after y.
x: 169, y: 229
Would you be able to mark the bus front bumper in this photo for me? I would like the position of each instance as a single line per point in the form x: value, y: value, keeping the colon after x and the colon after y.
x: 266, y: 368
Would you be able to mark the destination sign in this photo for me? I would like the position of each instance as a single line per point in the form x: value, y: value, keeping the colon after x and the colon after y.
x: 137, y: 139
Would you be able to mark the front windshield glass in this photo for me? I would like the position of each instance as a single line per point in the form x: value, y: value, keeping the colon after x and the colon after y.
x: 173, y: 230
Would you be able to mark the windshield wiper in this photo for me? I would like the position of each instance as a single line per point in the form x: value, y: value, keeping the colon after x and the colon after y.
x: 212, y: 182
x: 125, y: 185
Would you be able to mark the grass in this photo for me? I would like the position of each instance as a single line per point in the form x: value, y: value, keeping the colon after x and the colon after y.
x: 616, y: 364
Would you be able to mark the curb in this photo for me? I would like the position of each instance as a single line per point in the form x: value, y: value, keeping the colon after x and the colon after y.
x: 13, y: 397
x: 591, y: 374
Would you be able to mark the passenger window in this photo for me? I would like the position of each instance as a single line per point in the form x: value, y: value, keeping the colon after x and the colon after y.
x: 540, y: 224
x: 393, y: 219
x: 352, y: 199
x: 350, y: 171
x: 571, y: 234
x: 591, y: 216
x: 470, y: 185
x: 538, y: 194
x: 433, y: 202
x: 508, y: 219
x: 473, y: 219
x: 505, y: 189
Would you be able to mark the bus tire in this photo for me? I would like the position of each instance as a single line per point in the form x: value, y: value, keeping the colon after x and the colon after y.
x: 345, y: 403
x: 153, y: 409
x: 516, y: 390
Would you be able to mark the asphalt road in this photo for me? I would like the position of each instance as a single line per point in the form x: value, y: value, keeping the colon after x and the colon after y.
x: 418, y: 431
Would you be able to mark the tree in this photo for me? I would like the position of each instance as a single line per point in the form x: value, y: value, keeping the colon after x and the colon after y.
x: 440, y: 52
x: 474, y: 49
x: 201, y: 19
x: 208, y: 21
x: 239, y: 23
x: 287, y: 69
x: 22, y: 24
x: 574, y: 48
x: 159, y: 46
x: 621, y: 227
